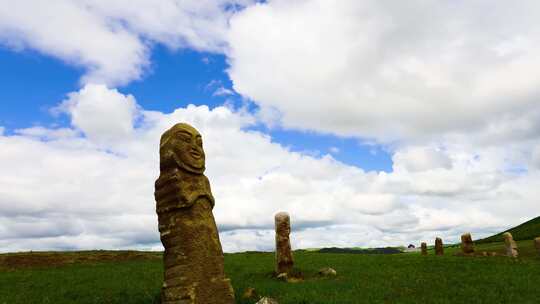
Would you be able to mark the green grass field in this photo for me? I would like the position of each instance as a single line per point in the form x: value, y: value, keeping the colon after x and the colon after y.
x: 132, y: 277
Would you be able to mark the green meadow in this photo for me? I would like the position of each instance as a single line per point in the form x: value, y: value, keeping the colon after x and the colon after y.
x: 135, y: 277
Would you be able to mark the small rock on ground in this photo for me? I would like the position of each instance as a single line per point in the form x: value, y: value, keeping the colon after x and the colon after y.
x: 282, y: 276
x: 266, y: 300
x: 327, y: 272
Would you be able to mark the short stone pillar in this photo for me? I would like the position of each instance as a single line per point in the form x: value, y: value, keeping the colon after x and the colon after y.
x: 423, y: 246
x: 467, y: 245
x: 537, y: 244
x: 284, y: 257
x: 510, y: 245
x: 439, y: 250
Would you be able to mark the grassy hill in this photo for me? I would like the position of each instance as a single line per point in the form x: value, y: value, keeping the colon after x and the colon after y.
x: 526, y: 231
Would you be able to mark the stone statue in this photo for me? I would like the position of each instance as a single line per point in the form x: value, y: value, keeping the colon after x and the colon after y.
x: 467, y: 245
x: 510, y: 245
x: 193, y: 257
x: 423, y: 246
x: 284, y: 258
x: 439, y: 250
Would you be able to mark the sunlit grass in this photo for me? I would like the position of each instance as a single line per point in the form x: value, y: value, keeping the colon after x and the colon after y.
x: 398, y: 278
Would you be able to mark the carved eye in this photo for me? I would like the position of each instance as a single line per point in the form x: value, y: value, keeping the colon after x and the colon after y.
x: 184, y: 137
x: 199, y: 142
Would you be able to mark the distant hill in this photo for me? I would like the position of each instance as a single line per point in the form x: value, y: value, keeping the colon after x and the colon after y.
x: 387, y: 250
x: 526, y: 231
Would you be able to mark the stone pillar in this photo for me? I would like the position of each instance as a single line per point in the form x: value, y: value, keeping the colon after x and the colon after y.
x: 537, y: 244
x: 284, y: 258
x: 510, y: 245
x: 467, y: 245
x: 439, y: 250
x: 193, y: 257
x: 423, y: 246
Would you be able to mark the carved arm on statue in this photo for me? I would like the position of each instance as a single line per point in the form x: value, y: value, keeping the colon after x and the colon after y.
x: 168, y: 194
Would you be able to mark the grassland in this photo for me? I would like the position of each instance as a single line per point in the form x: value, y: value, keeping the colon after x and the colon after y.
x: 135, y: 277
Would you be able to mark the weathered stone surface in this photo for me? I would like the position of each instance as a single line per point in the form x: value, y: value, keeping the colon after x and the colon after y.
x: 537, y: 244
x: 294, y: 276
x: 424, y: 248
x: 467, y: 245
x: 284, y: 257
x: 193, y: 257
x: 266, y: 300
x: 327, y: 272
x: 510, y: 245
x: 282, y: 277
x: 439, y: 249
x: 250, y: 293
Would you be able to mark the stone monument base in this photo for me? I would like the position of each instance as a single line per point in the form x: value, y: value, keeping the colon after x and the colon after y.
x: 199, y: 294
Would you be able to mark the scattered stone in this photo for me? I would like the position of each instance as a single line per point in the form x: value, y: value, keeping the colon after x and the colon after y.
x: 485, y: 253
x: 250, y: 294
x: 193, y: 257
x: 492, y: 253
x: 439, y: 249
x: 266, y: 300
x: 467, y: 245
x: 537, y: 244
x: 284, y: 257
x: 510, y: 245
x: 294, y: 276
x: 282, y: 277
x: 327, y: 272
x: 424, y: 248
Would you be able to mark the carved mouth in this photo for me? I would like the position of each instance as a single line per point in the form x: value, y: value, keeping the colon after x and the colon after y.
x: 195, y: 154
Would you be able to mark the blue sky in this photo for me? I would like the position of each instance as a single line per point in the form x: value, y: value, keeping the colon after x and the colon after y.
x: 31, y: 85
x: 174, y: 79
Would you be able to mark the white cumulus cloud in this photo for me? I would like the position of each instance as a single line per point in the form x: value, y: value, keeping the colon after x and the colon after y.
x: 391, y: 71
x: 420, y: 159
x: 82, y: 187
x: 102, y: 114
x: 111, y: 40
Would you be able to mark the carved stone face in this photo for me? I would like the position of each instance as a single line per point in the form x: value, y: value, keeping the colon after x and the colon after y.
x: 183, y: 143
